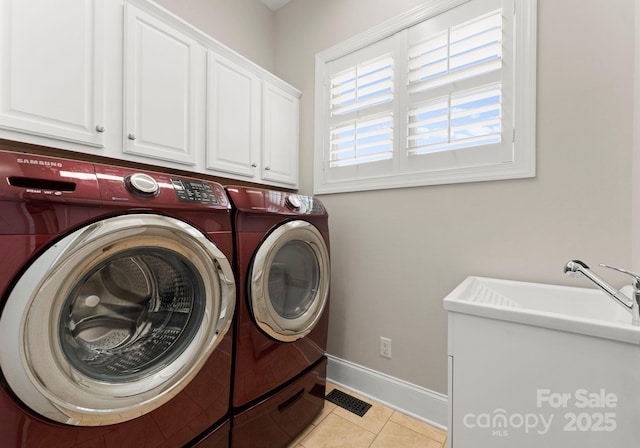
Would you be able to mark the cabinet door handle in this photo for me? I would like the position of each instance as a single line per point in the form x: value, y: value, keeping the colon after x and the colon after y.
x: 99, y: 128
x: 131, y: 136
x: 253, y: 165
x: 267, y: 168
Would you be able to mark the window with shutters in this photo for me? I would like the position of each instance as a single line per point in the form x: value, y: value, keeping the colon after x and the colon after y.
x: 442, y: 94
x: 356, y: 135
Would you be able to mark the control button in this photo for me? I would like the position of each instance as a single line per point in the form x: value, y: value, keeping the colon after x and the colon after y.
x: 194, y: 191
x: 293, y: 202
x: 143, y: 183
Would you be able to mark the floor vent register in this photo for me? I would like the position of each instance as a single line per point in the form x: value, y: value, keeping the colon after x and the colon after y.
x: 348, y: 402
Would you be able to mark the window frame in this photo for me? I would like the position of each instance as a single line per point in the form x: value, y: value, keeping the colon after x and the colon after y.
x: 397, y: 172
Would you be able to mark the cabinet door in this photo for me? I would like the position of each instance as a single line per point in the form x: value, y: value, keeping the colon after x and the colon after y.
x: 233, y: 122
x: 163, y: 72
x: 51, y: 76
x: 280, y: 115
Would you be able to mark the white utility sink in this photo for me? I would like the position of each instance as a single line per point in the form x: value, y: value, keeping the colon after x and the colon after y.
x: 579, y: 310
x: 534, y: 365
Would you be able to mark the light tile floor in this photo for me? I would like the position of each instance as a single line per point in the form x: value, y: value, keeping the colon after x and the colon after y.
x: 380, y: 427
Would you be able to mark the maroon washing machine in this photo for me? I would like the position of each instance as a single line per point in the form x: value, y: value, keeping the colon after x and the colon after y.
x: 117, y: 292
x: 282, y: 273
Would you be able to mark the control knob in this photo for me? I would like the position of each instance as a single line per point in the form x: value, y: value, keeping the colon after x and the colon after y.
x: 293, y: 202
x: 142, y: 184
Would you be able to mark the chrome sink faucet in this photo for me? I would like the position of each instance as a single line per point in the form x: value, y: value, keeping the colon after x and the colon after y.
x: 575, y: 268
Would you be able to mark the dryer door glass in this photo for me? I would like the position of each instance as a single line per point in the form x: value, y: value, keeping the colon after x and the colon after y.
x: 115, y: 319
x: 289, y: 281
x: 294, y: 279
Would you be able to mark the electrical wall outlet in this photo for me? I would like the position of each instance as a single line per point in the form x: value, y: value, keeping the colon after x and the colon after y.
x: 385, y: 347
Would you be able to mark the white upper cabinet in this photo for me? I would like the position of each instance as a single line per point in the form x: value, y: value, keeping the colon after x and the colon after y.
x: 233, y: 120
x: 280, y: 130
x: 129, y: 80
x: 252, y: 125
x: 51, y: 74
x: 164, y: 72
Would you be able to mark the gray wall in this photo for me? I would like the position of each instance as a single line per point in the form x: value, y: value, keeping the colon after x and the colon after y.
x: 246, y: 26
x: 397, y: 253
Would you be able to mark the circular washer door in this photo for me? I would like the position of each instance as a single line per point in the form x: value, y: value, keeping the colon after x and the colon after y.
x: 289, y: 281
x: 115, y: 319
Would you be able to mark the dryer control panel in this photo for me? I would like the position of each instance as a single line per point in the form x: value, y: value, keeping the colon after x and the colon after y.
x: 276, y: 202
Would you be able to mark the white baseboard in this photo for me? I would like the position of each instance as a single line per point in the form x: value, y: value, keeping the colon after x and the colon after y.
x: 416, y: 401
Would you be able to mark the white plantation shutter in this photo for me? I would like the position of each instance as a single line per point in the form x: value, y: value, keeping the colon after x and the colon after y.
x: 360, y: 118
x: 361, y: 128
x: 475, y: 116
x: 361, y: 141
x: 454, y: 85
x: 464, y: 51
x: 432, y: 97
x: 460, y: 120
x: 362, y: 86
x: 429, y: 124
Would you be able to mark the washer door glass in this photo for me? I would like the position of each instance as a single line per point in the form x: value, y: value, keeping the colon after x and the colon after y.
x: 132, y: 314
x: 289, y: 281
x: 115, y: 319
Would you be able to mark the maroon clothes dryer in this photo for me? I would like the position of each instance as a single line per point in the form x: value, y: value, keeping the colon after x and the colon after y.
x: 282, y: 273
x: 117, y: 292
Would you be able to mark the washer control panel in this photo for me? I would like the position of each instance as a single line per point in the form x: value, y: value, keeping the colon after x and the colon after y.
x: 142, y: 184
x: 189, y: 190
x: 151, y: 189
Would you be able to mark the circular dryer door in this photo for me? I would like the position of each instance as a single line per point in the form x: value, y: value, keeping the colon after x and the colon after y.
x: 115, y: 319
x: 289, y: 281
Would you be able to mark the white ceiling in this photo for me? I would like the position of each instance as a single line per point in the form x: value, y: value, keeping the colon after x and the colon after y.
x: 274, y: 5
